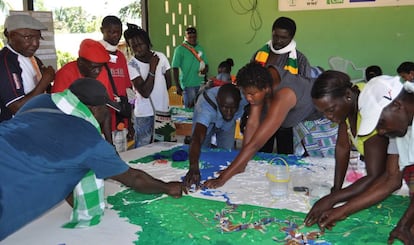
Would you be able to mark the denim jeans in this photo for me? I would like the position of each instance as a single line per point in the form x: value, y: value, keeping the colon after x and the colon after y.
x: 189, y: 95
x: 144, y: 128
x: 224, y: 138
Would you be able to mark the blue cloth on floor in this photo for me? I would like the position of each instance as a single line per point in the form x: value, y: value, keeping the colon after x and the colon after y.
x: 180, y: 155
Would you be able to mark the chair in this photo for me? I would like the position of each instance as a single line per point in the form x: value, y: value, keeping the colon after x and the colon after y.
x: 340, y: 64
x: 238, y: 136
x: 175, y: 99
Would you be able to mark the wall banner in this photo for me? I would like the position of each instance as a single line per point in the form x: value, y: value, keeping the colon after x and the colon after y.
x: 296, y: 5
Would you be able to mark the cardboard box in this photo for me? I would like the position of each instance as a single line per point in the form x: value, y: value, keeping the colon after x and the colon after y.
x: 183, y: 128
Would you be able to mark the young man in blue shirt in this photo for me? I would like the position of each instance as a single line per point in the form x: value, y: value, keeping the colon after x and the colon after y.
x: 215, y: 112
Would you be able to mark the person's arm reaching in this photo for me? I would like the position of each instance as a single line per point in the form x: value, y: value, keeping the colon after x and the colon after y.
x: 253, y: 122
x: 282, y: 102
x: 145, y: 183
x: 342, y: 150
x: 197, y: 139
x: 376, y: 157
x: 403, y: 229
x: 382, y: 187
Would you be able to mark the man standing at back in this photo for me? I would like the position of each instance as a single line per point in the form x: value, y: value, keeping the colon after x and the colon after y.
x: 281, y: 51
x: 112, y: 31
x: 190, y: 67
x: 23, y: 75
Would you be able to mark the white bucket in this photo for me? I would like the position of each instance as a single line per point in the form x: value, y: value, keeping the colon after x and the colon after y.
x: 279, y: 177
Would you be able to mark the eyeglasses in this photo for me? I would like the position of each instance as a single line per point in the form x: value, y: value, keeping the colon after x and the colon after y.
x: 29, y: 38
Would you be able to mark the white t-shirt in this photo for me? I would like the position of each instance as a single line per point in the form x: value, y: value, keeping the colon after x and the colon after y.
x: 28, y: 71
x: 159, y: 94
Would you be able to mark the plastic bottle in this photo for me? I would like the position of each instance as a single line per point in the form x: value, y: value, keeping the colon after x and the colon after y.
x: 119, y: 138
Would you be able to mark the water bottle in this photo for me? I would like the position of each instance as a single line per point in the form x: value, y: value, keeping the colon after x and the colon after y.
x: 119, y: 138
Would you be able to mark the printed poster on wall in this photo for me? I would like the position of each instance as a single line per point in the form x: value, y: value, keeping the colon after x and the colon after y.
x: 296, y: 5
x: 47, y: 50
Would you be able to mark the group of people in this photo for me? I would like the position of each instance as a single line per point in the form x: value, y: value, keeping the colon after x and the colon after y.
x: 376, y: 119
x: 51, y: 133
x: 276, y: 96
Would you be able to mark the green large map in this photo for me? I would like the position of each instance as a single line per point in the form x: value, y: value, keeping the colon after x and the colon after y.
x: 191, y: 220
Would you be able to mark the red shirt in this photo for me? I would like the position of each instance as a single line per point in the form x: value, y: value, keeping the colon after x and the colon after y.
x: 119, y: 71
x: 66, y: 75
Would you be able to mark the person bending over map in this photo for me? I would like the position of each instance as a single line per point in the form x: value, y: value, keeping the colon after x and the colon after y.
x: 335, y: 96
x: 215, y: 112
x: 387, y: 106
x: 51, y: 144
x: 284, y: 100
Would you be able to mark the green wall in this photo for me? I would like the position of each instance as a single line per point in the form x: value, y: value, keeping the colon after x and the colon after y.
x: 367, y: 36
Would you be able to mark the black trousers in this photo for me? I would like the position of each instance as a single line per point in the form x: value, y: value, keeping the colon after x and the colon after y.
x: 284, y: 142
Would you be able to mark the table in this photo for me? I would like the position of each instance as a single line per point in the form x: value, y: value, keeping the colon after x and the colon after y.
x: 247, y: 188
x: 112, y: 229
x: 183, y: 128
x: 182, y: 118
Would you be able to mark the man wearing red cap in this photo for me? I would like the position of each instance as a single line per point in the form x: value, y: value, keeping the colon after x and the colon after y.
x: 90, y: 64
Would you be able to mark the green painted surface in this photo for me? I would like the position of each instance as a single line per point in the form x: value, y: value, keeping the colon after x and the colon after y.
x: 191, y: 220
x: 381, y: 35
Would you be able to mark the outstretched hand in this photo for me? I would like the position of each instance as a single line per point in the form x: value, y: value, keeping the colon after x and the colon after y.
x: 402, y: 233
x: 329, y: 218
x: 176, y: 189
x: 192, y: 178
x: 214, y: 183
x: 318, y: 208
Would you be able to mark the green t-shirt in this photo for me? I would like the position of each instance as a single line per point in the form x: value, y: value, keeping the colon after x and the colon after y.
x: 189, y: 65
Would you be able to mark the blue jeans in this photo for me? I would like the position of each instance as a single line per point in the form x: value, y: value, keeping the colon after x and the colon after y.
x: 225, y: 139
x: 144, y: 128
x: 189, y: 95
